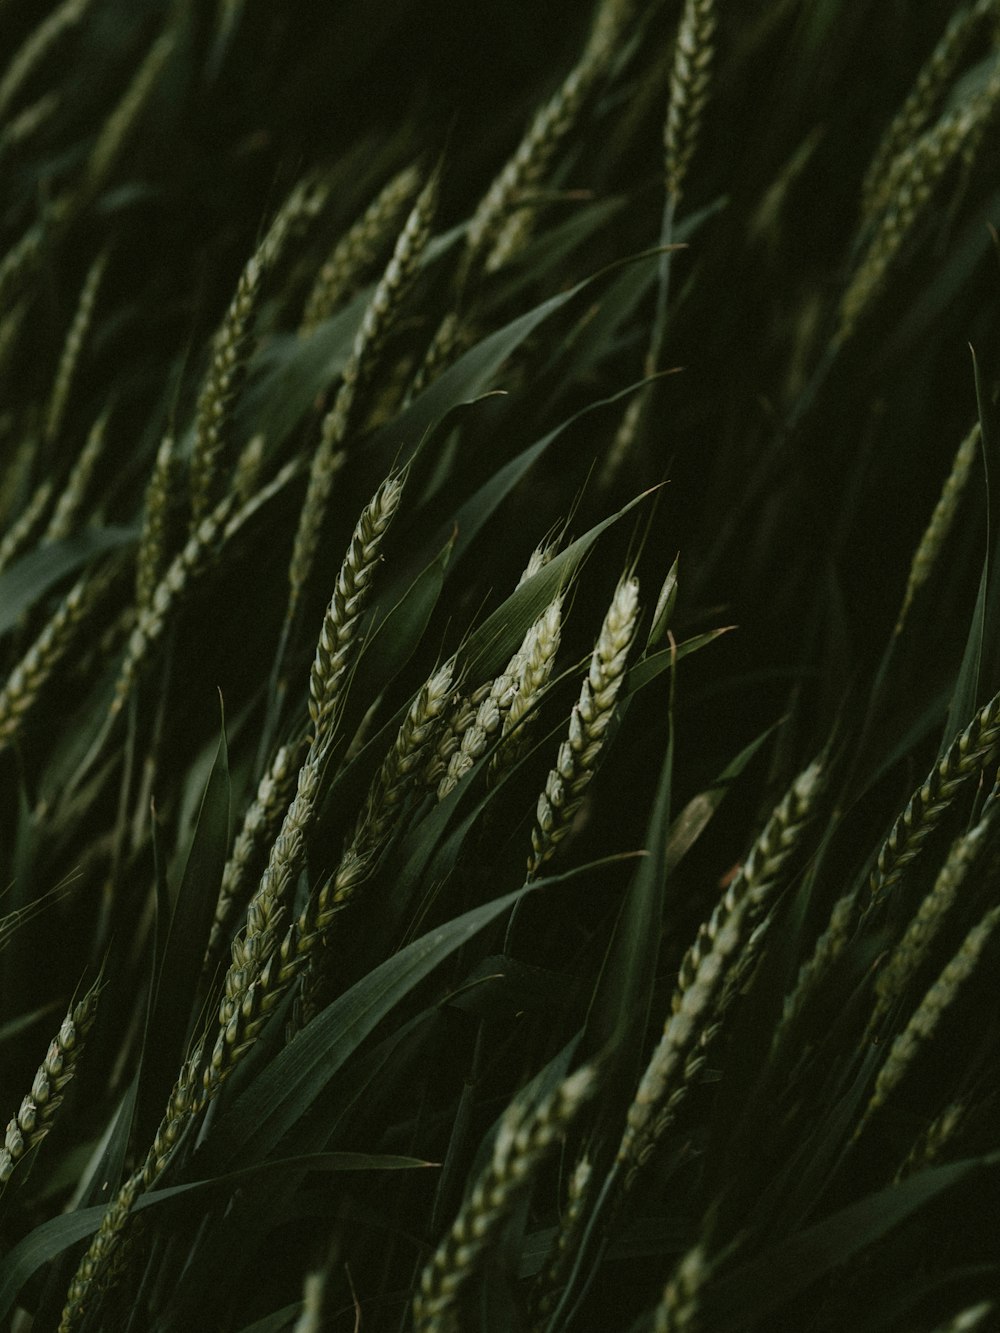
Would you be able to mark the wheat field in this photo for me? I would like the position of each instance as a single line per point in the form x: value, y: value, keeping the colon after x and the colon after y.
x: 499, y: 666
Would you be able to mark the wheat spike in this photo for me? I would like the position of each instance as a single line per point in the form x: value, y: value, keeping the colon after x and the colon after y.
x: 190, y: 563
x: 962, y: 763
x: 25, y: 683
x: 19, y: 534
x: 354, y: 255
x: 38, y: 1110
x: 121, y: 125
x: 677, y: 1311
x: 73, y: 347
x: 70, y: 502
x: 921, y: 104
x: 911, y: 184
x: 260, y: 827
x: 759, y: 877
x: 523, y: 1142
x: 669, y: 1072
x: 154, y: 540
x: 552, y: 1278
x: 689, y: 84
x: 912, y: 950
x: 589, y: 722
x: 335, y: 650
x: 328, y: 458
x: 928, y: 1015
x: 942, y: 520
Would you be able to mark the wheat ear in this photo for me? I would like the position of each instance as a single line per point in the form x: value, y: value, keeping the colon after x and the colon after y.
x: 154, y: 540
x: 677, y: 1311
x: 26, y: 124
x: 912, y: 181
x: 261, y: 825
x: 942, y: 520
x: 70, y: 502
x: 962, y: 763
x: 121, y: 125
x: 969, y: 1319
x: 354, y: 255
x: 335, y: 650
x: 921, y: 104
x: 328, y: 458
x: 589, y: 722
x: 668, y: 1073
x: 537, y: 659
x: 26, y: 682
x: 19, y: 534
x: 190, y: 563
x: 73, y: 347
x: 38, y: 1110
x: 924, y: 1023
x: 214, y: 429
x: 690, y: 78
x: 552, y: 1278
x: 760, y: 876
x: 524, y: 1141
x: 911, y: 952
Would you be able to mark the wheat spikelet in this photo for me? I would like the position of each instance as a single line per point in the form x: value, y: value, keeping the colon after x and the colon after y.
x: 182, y: 573
x: 591, y: 717
x: 552, y: 1278
x: 328, y: 458
x: 924, y: 1022
x: 73, y: 347
x: 962, y: 763
x: 36, y: 46
x: 26, y: 682
x: 18, y: 535
x: 689, y: 83
x: 154, y: 540
x: 38, y: 1110
x: 70, y: 502
x: 261, y: 825
x: 335, y: 649
x: 912, y: 182
x: 941, y: 522
x: 921, y: 103
x: 123, y: 121
x: 677, y: 1311
x: 476, y: 721
x: 523, y: 1142
x: 759, y: 877
x: 354, y: 255
x: 912, y: 950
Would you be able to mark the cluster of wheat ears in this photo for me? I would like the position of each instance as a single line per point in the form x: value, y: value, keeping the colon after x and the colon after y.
x: 437, y: 947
